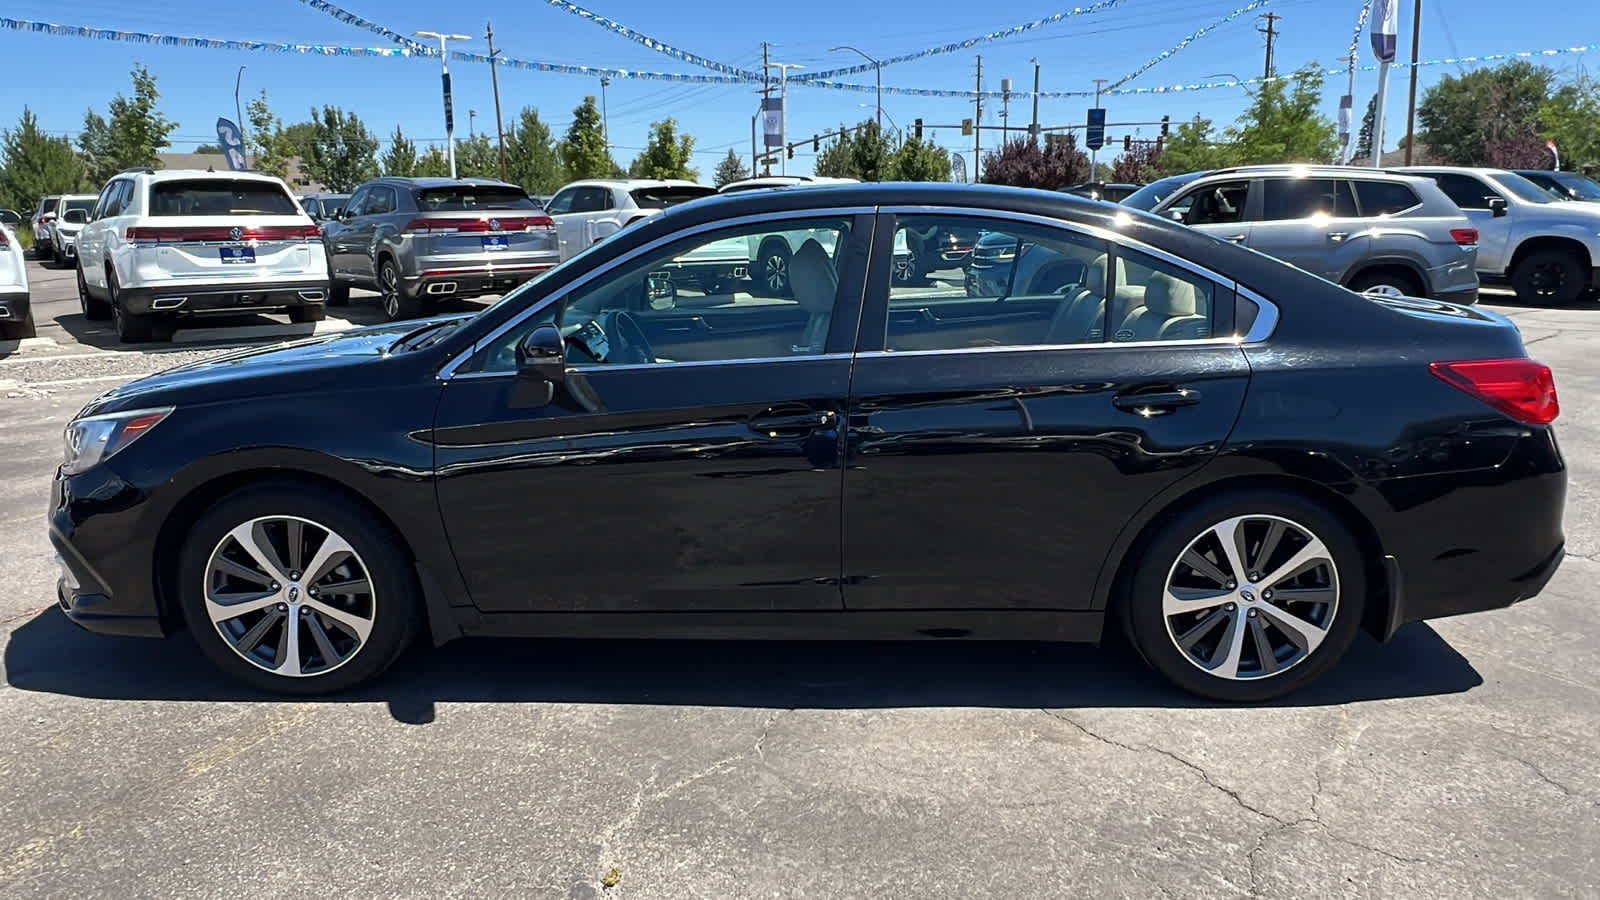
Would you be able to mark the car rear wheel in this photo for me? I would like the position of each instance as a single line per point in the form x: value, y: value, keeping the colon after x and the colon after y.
x: 132, y: 328
x: 1387, y: 283
x: 296, y: 591
x: 396, y: 305
x: 1247, y: 596
x: 93, y: 307
x: 772, y: 270
x: 1548, y: 278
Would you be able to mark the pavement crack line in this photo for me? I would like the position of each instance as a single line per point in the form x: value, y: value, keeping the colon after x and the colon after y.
x: 1544, y: 337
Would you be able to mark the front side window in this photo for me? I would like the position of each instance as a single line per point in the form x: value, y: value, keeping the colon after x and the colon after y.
x: 561, y: 202
x: 1214, y: 204
x: 1467, y: 191
x: 1154, y: 300
x: 1384, y: 198
x: 1522, y: 188
x: 695, y: 301
x: 1577, y: 186
x: 358, y: 202
x: 219, y: 197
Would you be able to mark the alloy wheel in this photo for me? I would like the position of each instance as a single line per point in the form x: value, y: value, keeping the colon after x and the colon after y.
x: 776, y: 272
x: 391, y: 290
x: 1547, y: 280
x: 290, y: 596
x: 1251, y: 597
x: 907, y: 272
x: 1384, y: 290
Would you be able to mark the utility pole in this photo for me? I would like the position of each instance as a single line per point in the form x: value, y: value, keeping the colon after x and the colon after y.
x: 977, y: 124
x: 605, y: 115
x: 766, y: 93
x: 1033, y: 130
x: 472, y: 124
x: 1411, y: 106
x: 1005, y: 111
x: 1271, y: 32
x: 494, y: 76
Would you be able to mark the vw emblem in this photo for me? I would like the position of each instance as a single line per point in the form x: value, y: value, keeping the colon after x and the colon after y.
x: 236, y: 233
x: 494, y: 224
x: 294, y: 594
x: 1247, y: 595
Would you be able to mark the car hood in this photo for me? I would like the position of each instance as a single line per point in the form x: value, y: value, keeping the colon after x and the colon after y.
x: 323, y: 362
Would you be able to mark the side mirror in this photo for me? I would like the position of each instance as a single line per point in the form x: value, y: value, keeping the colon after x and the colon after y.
x: 543, y: 354
x: 1497, y: 205
x: 1175, y: 215
x: 660, y: 291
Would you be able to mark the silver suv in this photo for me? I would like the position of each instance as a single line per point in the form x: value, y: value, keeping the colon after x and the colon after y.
x: 1371, y: 231
x: 420, y: 240
x: 1547, y: 249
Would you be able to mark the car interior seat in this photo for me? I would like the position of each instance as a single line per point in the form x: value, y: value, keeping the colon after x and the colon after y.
x: 1170, y: 312
x: 814, y: 283
x: 1081, y: 317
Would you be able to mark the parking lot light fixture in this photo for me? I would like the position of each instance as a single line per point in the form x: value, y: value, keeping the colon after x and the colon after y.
x: 444, y: 69
x: 877, y: 67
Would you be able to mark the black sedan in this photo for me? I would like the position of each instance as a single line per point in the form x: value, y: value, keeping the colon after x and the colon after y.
x: 1241, y: 464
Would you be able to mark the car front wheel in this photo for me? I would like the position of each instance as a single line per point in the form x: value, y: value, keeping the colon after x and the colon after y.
x: 1548, y: 278
x: 1247, y: 596
x: 296, y: 591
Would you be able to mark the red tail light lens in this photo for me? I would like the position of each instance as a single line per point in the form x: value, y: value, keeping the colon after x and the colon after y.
x: 46, y: 218
x: 483, y: 224
x: 1523, y: 389
x: 216, y: 233
x: 1464, y: 236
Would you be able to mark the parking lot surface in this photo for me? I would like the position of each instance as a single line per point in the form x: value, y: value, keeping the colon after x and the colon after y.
x: 1457, y: 761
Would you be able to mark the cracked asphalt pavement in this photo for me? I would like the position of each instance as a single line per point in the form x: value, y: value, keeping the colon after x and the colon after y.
x: 1457, y: 761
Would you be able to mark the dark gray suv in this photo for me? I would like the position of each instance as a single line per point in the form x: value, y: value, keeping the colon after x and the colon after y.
x: 417, y: 241
x: 1371, y: 231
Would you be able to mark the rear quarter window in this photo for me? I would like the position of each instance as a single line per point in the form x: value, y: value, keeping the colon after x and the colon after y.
x: 1384, y: 198
x: 220, y: 197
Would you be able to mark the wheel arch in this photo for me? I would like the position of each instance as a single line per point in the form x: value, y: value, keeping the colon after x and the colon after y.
x: 1555, y: 243
x: 1410, y: 267
x: 1111, y: 585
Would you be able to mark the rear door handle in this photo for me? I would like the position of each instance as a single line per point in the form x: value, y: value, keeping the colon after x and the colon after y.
x: 1237, y: 238
x: 780, y: 424
x: 1156, y: 402
x: 1338, y: 236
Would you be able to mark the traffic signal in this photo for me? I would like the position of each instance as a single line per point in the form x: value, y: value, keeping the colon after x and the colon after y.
x: 917, y: 129
x: 816, y: 144
x: 966, y: 126
x: 1127, y: 143
x: 1165, y: 121
x: 791, y: 151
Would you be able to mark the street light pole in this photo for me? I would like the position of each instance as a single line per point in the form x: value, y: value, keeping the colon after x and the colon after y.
x: 605, y: 117
x: 237, y: 80
x: 877, y: 67
x: 444, y: 70
x: 783, y: 117
x: 1033, y: 130
x: 494, y: 76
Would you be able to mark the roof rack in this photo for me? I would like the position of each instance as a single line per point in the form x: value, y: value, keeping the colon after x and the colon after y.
x: 139, y: 170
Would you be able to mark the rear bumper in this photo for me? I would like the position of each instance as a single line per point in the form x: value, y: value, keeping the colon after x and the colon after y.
x: 1465, y: 297
x: 15, y: 307
x: 186, y: 299
x: 441, y: 280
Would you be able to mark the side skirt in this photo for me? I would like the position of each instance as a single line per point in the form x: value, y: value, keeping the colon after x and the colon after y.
x: 898, y: 625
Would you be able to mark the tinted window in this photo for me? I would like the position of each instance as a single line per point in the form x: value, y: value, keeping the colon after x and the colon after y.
x: 465, y: 197
x: 219, y: 197
x: 1298, y: 198
x: 1215, y: 203
x: 1025, y: 285
x: 661, y: 198
x: 87, y: 205
x: 1578, y: 186
x: 1383, y: 198
x: 1467, y: 191
x: 382, y: 201
x: 695, y: 301
x: 1522, y: 188
x: 592, y: 199
x: 561, y: 202
x: 1153, y: 300
x: 1151, y: 195
x: 48, y: 205
x: 332, y: 206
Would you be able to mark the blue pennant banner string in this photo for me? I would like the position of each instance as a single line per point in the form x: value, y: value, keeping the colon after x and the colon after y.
x: 958, y: 46
x: 350, y: 18
x: 658, y: 46
x: 1355, y: 37
x: 172, y: 40
x: 1167, y: 53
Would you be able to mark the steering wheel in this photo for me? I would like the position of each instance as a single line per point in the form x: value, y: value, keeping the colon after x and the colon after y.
x: 628, y: 343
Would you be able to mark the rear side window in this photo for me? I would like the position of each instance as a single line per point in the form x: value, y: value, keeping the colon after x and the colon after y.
x: 457, y: 198
x: 1466, y: 191
x: 220, y: 197
x: 1384, y: 198
x: 1301, y: 198
x: 661, y: 198
x: 381, y: 201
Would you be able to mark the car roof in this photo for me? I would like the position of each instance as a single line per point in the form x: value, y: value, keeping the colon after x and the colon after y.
x: 786, y: 181
x: 1308, y: 169
x: 80, y: 196
x: 436, y: 182
x: 633, y: 184
x: 178, y: 174
x: 1471, y: 170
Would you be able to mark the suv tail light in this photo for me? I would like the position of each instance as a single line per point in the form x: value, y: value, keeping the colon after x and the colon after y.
x: 3, y: 242
x: 482, y: 224
x: 47, y: 217
x: 1521, y: 388
x: 215, y: 233
x: 1464, y: 236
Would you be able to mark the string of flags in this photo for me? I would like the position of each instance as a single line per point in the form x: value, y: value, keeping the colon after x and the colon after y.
x: 1191, y: 38
x: 646, y: 40
x: 350, y: 18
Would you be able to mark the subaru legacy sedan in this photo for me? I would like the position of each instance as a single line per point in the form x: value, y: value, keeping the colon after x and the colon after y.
x: 1241, y: 464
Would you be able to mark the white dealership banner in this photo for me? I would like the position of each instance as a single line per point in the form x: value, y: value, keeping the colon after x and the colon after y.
x: 772, y: 120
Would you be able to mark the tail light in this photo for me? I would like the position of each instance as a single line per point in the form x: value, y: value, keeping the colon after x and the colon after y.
x: 483, y: 224
x: 46, y: 218
x: 1464, y: 236
x: 220, y: 233
x: 3, y: 242
x: 1521, y: 388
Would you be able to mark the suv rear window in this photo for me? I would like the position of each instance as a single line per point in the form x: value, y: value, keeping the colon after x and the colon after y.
x: 1384, y: 198
x: 48, y: 205
x: 473, y: 196
x: 86, y: 204
x: 663, y: 197
x: 220, y: 197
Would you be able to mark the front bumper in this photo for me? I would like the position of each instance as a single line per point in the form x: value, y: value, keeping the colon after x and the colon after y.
x: 191, y: 299
x: 105, y: 583
x: 15, y: 307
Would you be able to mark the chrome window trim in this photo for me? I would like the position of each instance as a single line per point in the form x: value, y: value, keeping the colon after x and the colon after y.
x: 628, y: 367
x: 449, y: 369
x: 1266, y: 320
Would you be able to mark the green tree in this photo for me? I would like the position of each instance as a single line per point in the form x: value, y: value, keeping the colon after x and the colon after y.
x: 731, y: 169
x: 837, y: 159
x: 583, y: 151
x: 401, y: 159
x: 918, y: 160
x: 138, y: 130
x: 300, y: 136
x: 1571, y: 118
x: 1141, y: 164
x: 341, y: 153
x: 1285, y: 123
x: 32, y: 164
x: 432, y: 164
x: 1193, y: 147
x: 270, y: 149
x: 1364, y: 137
x: 477, y: 157
x: 99, y: 157
x: 531, y: 159
x: 209, y: 149
x: 1461, y: 116
x: 666, y: 154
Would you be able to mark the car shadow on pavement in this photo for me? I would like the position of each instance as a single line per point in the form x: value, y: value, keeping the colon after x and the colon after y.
x: 51, y: 655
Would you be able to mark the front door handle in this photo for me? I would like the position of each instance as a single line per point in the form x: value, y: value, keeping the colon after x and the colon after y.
x: 1337, y: 236
x: 781, y: 424
x: 1156, y: 403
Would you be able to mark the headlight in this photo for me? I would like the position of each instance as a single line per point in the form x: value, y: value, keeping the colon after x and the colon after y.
x: 90, y: 441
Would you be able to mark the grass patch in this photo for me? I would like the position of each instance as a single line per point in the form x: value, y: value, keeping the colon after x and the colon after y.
x: 612, y: 877
x: 24, y: 236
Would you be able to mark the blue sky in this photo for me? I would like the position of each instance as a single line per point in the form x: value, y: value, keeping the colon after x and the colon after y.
x: 60, y: 77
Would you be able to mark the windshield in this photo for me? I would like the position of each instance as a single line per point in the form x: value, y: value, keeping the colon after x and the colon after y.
x: 220, y: 197
x: 663, y: 197
x: 1151, y: 195
x: 1522, y: 188
x: 457, y: 198
x: 1577, y: 185
x: 332, y: 206
x: 86, y: 204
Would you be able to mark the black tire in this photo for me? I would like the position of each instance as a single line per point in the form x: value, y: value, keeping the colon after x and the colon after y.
x: 771, y: 274
x: 93, y: 307
x: 132, y: 328
x: 1549, y: 278
x: 1143, y: 601
x: 396, y: 601
x: 338, y: 294
x: 396, y: 303
x: 16, y: 331
x: 1398, y: 281
x: 302, y: 314
x: 41, y: 250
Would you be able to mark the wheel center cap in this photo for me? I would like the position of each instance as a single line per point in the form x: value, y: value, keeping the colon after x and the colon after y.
x: 1246, y: 595
x: 294, y: 593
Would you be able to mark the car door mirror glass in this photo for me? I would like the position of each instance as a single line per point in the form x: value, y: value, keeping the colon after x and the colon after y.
x: 543, y: 354
x: 660, y: 291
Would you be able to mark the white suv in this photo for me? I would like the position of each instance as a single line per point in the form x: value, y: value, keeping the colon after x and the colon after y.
x: 595, y: 209
x: 167, y: 244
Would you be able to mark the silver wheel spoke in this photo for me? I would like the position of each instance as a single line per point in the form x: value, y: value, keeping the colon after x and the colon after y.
x: 1193, y: 600
x: 1269, y: 546
x: 224, y: 607
x: 1231, y: 535
x: 288, y: 661
x: 1313, y: 553
x: 1225, y: 658
x: 334, y: 549
x: 356, y: 625
x: 250, y: 539
x: 1301, y: 633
